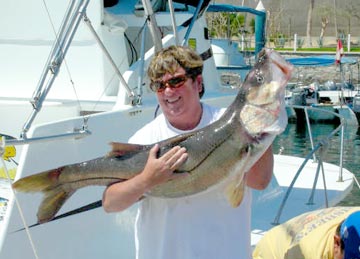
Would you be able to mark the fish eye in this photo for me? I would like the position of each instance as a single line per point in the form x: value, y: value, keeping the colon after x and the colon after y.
x: 259, y: 76
x: 260, y: 79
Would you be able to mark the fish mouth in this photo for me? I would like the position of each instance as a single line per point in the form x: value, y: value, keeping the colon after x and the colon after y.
x: 285, y: 67
x: 265, y: 109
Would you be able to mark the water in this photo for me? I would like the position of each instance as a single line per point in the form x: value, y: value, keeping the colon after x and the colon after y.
x: 295, y: 141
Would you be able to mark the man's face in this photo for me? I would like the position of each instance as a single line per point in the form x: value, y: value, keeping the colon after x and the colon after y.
x: 179, y: 98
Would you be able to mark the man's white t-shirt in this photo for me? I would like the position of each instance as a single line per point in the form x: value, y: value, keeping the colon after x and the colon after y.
x: 202, y: 225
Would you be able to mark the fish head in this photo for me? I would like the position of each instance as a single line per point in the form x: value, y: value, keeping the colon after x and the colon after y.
x: 264, y: 108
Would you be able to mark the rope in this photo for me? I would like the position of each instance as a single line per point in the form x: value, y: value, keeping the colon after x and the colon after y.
x: 17, y: 201
x: 64, y: 59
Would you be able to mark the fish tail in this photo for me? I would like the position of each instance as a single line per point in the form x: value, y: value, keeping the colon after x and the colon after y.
x: 52, y: 202
x: 54, y: 192
x: 39, y: 182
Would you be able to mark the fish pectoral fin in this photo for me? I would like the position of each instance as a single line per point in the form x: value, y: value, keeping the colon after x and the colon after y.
x: 120, y: 149
x: 236, y: 187
x: 51, y: 204
x: 235, y: 192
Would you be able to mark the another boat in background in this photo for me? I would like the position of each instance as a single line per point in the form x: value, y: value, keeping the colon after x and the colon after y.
x: 327, y: 96
x: 235, y: 53
x: 356, y: 106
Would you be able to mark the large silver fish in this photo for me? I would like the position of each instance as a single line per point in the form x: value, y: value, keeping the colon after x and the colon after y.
x: 219, y: 153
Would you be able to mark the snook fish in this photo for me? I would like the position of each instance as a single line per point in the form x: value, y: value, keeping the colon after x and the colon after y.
x: 219, y: 153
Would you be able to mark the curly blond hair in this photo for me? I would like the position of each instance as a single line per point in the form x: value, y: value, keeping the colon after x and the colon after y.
x: 169, y: 59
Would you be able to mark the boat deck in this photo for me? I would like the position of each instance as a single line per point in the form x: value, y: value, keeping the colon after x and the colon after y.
x: 285, y: 169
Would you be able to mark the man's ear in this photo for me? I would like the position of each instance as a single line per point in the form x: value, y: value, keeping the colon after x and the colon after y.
x: 337, y: 241
x: 338, y: 253
x: 199, y: 81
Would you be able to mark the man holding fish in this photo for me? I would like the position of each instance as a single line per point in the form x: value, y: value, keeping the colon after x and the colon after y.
x: 202, y: 225
x: 195, y: 166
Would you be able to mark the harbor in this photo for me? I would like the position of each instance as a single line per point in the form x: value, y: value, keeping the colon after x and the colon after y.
x: 101, y: 95
x: 294, y: 141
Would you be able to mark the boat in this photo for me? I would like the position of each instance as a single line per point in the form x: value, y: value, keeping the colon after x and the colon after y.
x: 327, y: 96
x: 356, y: 106
x: 233, y: 55
x: 78, y: 127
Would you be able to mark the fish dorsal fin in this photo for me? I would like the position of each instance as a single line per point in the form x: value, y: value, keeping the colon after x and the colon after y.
x: 120, y: 149
x: 177, y: 139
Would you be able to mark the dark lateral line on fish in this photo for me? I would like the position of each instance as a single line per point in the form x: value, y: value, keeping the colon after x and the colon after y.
x: 91, y: 206
x: 209, y: 153
x: 115, y: 180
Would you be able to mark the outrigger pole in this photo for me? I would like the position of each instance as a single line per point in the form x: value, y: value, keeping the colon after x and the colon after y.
x: 68, y: 28
x: 154, y: 29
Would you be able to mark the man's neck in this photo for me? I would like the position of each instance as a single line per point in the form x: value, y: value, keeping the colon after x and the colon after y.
x: 189, y: 124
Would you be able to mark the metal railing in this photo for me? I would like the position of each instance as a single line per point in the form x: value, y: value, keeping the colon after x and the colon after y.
x: 320, y: 146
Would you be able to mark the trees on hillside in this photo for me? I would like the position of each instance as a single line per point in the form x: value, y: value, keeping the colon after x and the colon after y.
x: 324, y: 12
x: 283, y: 18
x: 351, y: 13
x: 348, y: 10
x: 228, y: 25
x: 343, y: 15
x: 309, y: 23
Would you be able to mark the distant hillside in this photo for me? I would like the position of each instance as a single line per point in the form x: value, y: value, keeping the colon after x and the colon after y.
x: 292, y: 15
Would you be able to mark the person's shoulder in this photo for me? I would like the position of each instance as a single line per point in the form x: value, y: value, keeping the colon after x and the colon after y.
x: 213, y: 111
x: 148, y: 133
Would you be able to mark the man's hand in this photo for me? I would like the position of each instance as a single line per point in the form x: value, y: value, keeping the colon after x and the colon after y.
x: 161, y: 169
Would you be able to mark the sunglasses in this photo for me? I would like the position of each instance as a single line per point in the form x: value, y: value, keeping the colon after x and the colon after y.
x: 175, y: 82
